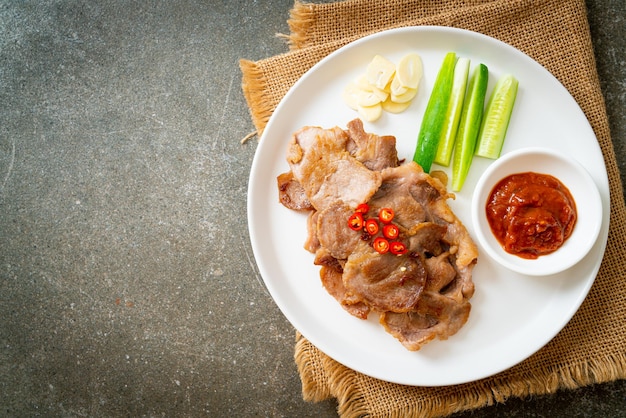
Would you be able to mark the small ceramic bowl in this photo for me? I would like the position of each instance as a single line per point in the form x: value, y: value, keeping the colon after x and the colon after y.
x: 582, y: 188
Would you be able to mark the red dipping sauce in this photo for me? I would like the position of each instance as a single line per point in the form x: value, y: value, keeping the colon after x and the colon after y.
x: 531, y: 214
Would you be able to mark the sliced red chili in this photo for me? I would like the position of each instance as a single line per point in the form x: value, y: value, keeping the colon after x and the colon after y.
x: 371, y: 226
x: 362, y: 208
x: 381, y: 245
x: 355, y: 221
x: 391, y: 231
x: 385, y: 215
x: 397, y: 248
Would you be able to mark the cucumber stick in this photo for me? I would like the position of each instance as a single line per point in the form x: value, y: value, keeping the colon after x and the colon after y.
x: 453, y: 115
x: 469, y: 126
x: 435, y: 114
x: 497, y: 117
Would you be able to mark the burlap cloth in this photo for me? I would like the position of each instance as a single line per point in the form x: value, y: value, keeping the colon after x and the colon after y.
x: 592, y: 347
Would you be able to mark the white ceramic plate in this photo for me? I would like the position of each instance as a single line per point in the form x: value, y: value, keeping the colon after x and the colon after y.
x: 512, y: 315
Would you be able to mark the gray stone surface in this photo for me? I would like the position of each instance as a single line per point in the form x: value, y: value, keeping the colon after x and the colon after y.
x: 127, y: 282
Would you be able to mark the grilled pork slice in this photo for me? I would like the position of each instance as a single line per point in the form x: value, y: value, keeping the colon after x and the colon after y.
x: 333, y: 283
x: 291, y: 193
x: 435, y: 316
x: 333, y: 232
x: 375, y: 152
x: 312, y: 244
x: 320, y: 162
x: 385, y: 282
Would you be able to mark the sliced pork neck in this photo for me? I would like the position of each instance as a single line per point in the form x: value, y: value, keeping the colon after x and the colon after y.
x: 420, y: 295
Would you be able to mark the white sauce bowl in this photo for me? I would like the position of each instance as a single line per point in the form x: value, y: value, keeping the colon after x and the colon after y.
x: 573, y: 176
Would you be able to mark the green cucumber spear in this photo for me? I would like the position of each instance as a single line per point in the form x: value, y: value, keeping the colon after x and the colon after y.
x: 497, y: 117
x: 434, y: 120
x: 469, y: 126
x: 453, y: 115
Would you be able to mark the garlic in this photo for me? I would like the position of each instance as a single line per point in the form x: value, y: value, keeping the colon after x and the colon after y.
x: 384, y: 86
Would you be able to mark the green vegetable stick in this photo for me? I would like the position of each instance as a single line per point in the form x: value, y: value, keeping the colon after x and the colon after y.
x: 435, y: 114
x: 469, y: 126
x: 453, y: 115
x: 497, y: 117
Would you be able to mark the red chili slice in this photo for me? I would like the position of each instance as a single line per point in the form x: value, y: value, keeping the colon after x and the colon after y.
x: 381, y: 245
x: 385, y: 215
x: 371, y: 226
x: 362, y: 208
x: 355, y: 221
x: 397, y: 248
x: 391, y: 231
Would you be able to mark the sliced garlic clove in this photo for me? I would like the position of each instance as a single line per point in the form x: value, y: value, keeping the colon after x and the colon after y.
x: 380, y: 71
x: 371, y: 113
x: 396, y: 88
x: 381, y: 94
x: 350, y: 96
x: 368, y: 98
x: 405, y: 97
x: 409, y: 70
x: 394, y: 107
x: 370, y: 94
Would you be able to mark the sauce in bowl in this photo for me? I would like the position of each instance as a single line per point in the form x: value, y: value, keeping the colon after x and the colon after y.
x: 531, y: 214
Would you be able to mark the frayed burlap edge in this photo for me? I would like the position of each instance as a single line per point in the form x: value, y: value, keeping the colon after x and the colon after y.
x: 253, y: 86
x: 310, y: 371
x: 301, y: 17
x: 263, y: 97
x: 350, y: 387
